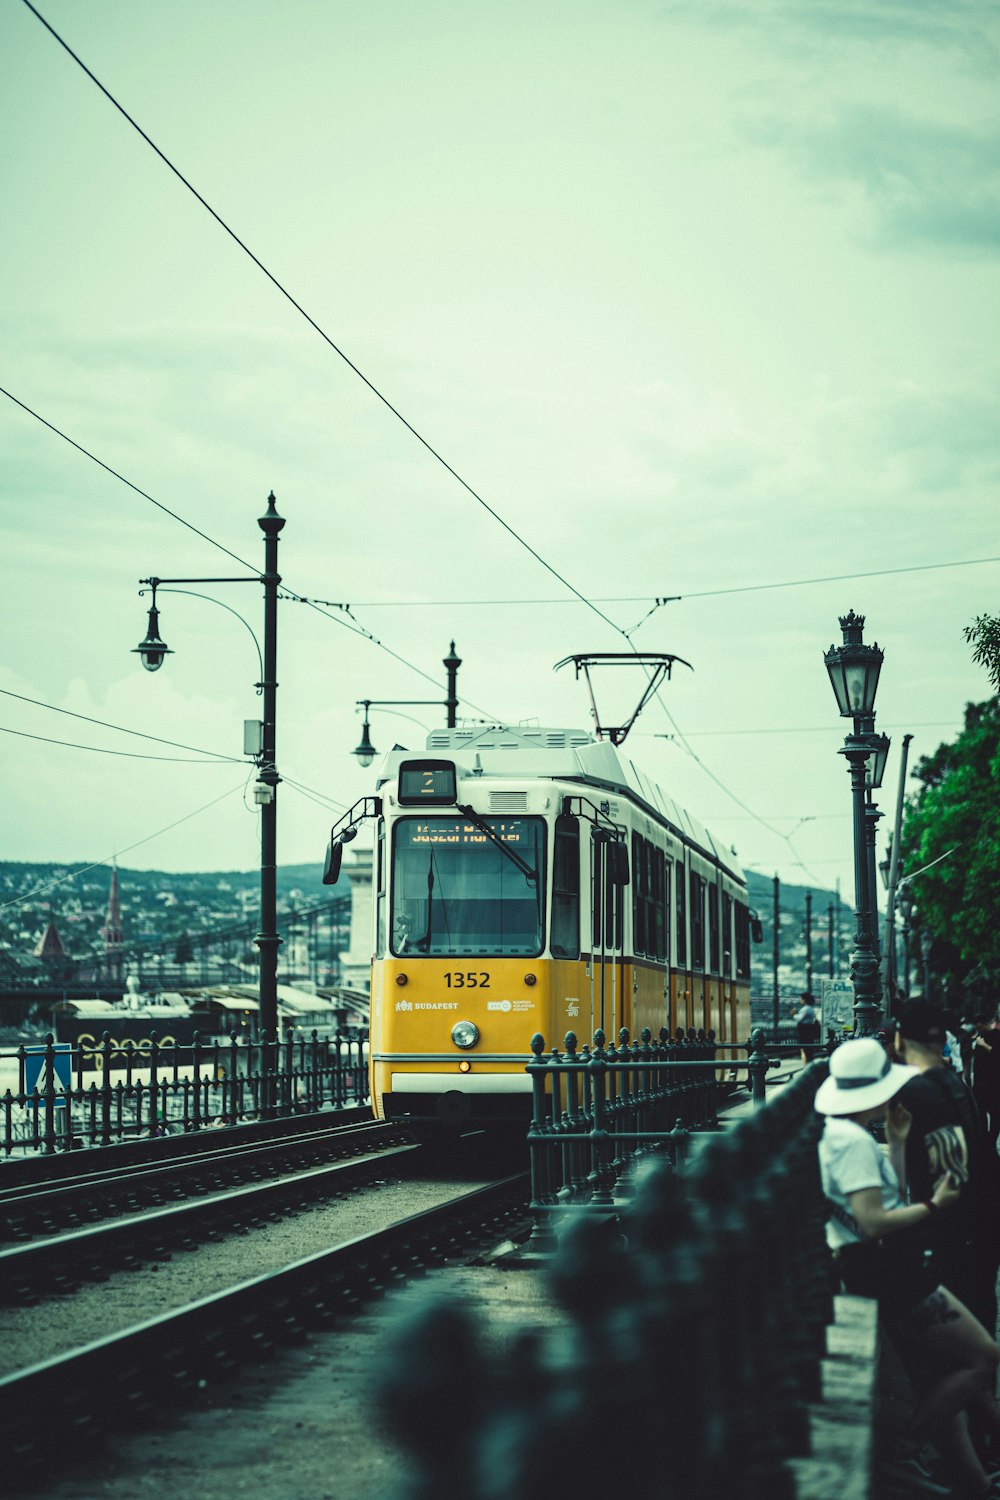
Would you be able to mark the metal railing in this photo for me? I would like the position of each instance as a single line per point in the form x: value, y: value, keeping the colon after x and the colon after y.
x: 62, y: 1096
x: 597, y: 1110
x: 687, y: 1353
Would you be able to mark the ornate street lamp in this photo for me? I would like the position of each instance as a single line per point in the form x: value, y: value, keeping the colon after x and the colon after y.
x: 366, y: 751
x: 152, y: 650
x: 854, y: 669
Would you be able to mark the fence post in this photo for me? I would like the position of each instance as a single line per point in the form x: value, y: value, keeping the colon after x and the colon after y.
x: 538, y: 1149
x: 757, y: 1065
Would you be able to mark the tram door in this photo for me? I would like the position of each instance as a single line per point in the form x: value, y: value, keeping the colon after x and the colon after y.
x: 610, y: 878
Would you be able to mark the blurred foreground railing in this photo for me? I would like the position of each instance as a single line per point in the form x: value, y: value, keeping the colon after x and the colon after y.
x: 687, y: 1352
x: 62, y: 1096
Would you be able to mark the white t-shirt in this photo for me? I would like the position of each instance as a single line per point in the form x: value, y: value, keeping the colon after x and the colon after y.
x: 851, y: 1159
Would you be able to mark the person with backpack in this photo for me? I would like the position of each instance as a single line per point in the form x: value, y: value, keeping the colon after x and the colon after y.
x: 948, y: 1135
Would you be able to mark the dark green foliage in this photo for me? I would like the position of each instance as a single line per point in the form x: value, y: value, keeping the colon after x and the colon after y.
x: 958, y: 809
x: 984, y: 635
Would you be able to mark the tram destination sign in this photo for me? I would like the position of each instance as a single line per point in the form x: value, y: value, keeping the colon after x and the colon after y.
x: 427, y: 783
x: 448, y: 831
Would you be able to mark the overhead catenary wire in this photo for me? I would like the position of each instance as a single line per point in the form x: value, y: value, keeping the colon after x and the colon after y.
x: 745, y: 588
x: 288, y: 593
x: 279, y: 286
x: 589, y: 603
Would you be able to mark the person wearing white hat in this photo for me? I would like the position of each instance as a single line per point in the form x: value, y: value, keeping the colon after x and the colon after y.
x: 876, y: 1240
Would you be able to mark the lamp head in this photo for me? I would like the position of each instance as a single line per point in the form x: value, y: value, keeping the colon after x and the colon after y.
x: 152, y: 650
x: 366, y: 750
x: 854, y: 669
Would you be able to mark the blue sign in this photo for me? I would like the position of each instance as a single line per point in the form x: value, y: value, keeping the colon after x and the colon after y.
x: 62, y: 1070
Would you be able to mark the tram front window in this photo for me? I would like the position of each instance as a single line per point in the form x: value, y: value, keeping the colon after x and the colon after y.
x: 457, y: 890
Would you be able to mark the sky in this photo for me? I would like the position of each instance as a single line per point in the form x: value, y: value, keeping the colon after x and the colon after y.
x: 683, y: 299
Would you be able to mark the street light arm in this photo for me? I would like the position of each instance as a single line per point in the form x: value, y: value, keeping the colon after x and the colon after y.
x: 157, y: 584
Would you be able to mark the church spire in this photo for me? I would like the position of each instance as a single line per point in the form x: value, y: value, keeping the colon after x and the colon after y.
x: 111, y: 932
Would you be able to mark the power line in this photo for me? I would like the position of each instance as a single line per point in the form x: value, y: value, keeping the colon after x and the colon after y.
x: 75, y: 874
x: 120, y: 729
x: 87, y: 454
x: 287, y: 593
x: 313, y: 324
x: 748, y: 588
x: 319, y: 798
x: 175, y: 760
x: 798, y: 729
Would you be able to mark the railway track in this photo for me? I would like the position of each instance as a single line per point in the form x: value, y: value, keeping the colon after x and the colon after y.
x: 168, y: 1361
x: 57, y: 1263
x: 111, y: 1190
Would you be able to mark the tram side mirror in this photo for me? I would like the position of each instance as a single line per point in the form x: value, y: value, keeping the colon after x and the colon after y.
x: 618, y: 864
x: 334, y: 860
x: 756, y: 928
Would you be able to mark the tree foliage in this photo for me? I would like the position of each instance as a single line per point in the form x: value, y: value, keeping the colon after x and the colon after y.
x: 958, y: 809
x: 984, y: 635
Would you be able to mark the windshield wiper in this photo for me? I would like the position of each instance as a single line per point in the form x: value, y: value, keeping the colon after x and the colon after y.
x: 423, y: 945
x: 530, y: 875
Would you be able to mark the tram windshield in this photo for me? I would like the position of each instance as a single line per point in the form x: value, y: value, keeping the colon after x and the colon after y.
x: 460, y: 889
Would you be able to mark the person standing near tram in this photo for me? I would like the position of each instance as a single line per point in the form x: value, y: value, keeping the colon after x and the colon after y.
x: 807, y: 1027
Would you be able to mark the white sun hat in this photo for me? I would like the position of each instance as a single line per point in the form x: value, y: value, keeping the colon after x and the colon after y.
x: 861, y: 1076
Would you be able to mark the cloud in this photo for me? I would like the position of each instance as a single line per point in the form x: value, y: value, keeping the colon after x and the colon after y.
x: 921, y: 183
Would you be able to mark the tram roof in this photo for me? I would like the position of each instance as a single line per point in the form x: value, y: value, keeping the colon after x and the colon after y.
x: 571, y: 755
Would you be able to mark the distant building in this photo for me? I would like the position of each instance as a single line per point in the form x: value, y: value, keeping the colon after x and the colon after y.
x: 49, y: 947
x: 356, y: 963
x: 111, y: 933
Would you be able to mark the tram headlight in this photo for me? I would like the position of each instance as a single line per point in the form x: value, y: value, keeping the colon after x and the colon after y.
x: 465, y: 1033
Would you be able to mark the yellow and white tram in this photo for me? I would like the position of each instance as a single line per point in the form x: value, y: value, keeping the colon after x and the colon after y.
x: 533, y: 880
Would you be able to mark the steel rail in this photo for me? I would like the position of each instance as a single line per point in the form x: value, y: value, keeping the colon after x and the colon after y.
x: 164, y: 1361
x: 58, y: 1263
x: 105, y: 1193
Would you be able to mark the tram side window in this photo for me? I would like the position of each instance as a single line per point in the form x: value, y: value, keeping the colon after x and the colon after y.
x: 566, y: 889
x: 681, y: 885
x: 649, y: 899
x: 608, y: 910
x: 639, y: 874
x: 727, y: 935
x: 697, y: 921
x: 742, y: 941
x: 614, y: 904
x: 713, y: 928
x: 661, y: 888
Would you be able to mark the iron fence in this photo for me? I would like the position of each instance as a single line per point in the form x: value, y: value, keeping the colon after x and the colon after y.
x: 598, y: 1109
x: 61, y: 1095
x: 689, y: 1346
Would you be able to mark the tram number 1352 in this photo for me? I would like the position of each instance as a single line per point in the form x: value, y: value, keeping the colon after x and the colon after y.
x: 457, y: 979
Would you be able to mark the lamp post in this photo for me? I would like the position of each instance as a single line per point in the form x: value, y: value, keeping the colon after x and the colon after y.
x: 152, y: 651
x: 853, y: 669
x: 926, y: 944
x: 809, y: 946
x: 366, y: 751
x: 874, y: 772
x: 907, y: 910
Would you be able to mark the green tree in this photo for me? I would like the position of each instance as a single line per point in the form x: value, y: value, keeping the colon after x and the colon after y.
x: 984, y: 635
x: 184, y: 951
x: 955, y: 818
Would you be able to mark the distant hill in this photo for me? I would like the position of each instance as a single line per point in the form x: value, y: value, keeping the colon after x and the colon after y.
x: 154, y: 903
x: 792, y: 898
